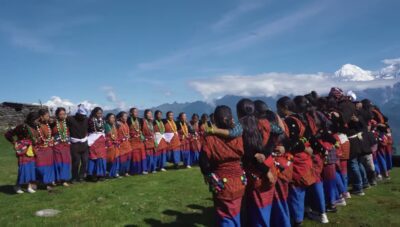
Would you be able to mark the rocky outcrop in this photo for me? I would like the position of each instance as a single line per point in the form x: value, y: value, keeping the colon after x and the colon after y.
x: 12, y: 114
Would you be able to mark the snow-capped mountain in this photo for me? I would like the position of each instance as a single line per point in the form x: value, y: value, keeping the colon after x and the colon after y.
x: 349, y: 72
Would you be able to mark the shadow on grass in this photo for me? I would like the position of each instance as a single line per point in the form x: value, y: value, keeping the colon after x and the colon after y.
x: 7, y: 189
x: 200, y: 216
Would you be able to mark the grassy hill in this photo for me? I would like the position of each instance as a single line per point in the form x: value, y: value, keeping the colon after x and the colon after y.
x: 173, y: 198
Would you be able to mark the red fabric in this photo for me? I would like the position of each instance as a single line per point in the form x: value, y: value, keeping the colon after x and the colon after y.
x: 195, y: 140
x: 265, y: 129
x: 301, y: 126
x: 163, y: 145
x: 261, y: 198
x: 303, y: 174
x: 281, y: 192
x: 175, y: 142
x: 329, y: 172
x: 148, y: 135
x: 98, y: 149
x: 25, y: 159
x: 345, y: 147
x: 318, y: 165
x: 228, y: 208
x: 225, y: 156
x: 123, y: 134
x: 44, y: 156
x: 62, y: 153
x: 285, y: 161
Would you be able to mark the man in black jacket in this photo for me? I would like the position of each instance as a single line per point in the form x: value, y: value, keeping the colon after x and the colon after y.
x: 78, y: 127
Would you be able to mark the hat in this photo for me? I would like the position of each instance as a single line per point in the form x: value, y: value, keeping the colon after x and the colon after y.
x: 82, y: 110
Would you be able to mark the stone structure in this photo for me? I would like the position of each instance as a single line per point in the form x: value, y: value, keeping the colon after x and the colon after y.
x: 12, y: 114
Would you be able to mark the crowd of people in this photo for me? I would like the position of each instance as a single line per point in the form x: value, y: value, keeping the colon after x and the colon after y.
x: 279, y: 167
x: 276, y: 167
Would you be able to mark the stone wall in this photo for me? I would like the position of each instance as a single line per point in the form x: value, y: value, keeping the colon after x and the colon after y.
x: 12, y: 114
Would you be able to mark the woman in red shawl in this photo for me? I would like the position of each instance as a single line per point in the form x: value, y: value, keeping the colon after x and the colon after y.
x: 195, y: 140
x: 124, y: 143
x: 112, y: 144
x: 185, y: 137
x: 23, y: 138
x: 149, y: 141
x: 62, y: 152
x: 97, y: 167
x: 271, y: 122
x: 44, y: 151
x: 162, y: 145
x: 220, y: 163
x: 174, y: 144
x: 138, y: 164
x: 258, y: 164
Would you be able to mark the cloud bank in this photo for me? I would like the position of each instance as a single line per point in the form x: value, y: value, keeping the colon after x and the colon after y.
x: 274, y: 84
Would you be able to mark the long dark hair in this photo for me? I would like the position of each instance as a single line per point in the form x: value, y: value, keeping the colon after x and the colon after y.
x: 285, y: 103
x: 59, y: 109
x: 303, y: 105
x: 223, y: 117
x: 31, y: 118
x: 120, y: 115
x: 156, y: 113
x: 108, y: 116
x: 262, y: 111
x: 252, y: 138
x: 95, y: 110
x: 146, y: 111
x: 43, y: 112
x: 204, y: 118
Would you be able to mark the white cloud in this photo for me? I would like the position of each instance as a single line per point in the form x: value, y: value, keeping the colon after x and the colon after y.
x: 392, y: 68
x: 56, y: 101
x: 112, y: 97
x: 273, y: 84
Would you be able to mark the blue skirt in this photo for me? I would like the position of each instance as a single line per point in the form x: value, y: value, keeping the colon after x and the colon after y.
x: 63, y: 171
x: 113, y: 167
x: 97, y: 167
x: 26, y: 173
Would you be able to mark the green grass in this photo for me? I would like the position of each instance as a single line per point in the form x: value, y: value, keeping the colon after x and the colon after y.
x: 173, y: 198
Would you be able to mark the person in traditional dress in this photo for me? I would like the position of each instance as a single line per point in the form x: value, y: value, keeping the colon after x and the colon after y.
x: 149, y: 140
x: 139, y: 162
x: 321, y: 143
x: 174, y: 144
x: 44, y: 151
x: 24, y: 137
x: 195, y: 140
x: 162, y: 145
x: 280, y: 215
x: 184, y: 136
x: 303, y: 175
x: 112, y: 145
x: 97, y: 167
x: 220, y: 163
x: 257, y: 163
x: 78, y: 128
x: 343, y: 152
x: 62, y: 149
x: 384, y: 136
x: 125, y: 147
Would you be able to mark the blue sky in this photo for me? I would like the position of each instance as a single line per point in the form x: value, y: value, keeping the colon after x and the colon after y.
x: 145, y: 53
